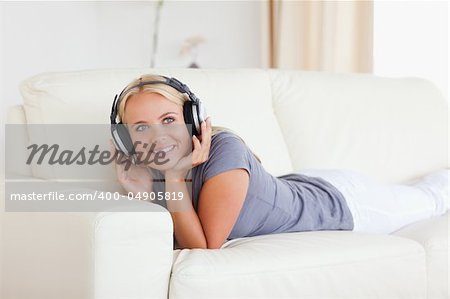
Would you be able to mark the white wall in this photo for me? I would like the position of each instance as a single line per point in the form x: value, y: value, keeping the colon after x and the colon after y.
x: 1, y: 65
x: 411, y: 39
x: 54, y: 36
x: 38, y: 37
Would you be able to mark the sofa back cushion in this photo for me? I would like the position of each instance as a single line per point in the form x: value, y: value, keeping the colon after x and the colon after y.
x: 237, y: 99
x: 393, y: 129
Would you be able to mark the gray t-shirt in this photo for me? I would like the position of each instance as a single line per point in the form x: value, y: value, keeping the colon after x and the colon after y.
x: 288, y: 203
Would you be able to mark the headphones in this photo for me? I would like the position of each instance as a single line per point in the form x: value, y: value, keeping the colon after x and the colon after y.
x: 194, y: 113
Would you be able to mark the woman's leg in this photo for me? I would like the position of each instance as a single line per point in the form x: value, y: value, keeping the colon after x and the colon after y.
x: 384, y: 208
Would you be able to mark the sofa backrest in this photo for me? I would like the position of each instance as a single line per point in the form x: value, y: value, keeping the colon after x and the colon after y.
x: 392, y: 129
x: 237, y: 99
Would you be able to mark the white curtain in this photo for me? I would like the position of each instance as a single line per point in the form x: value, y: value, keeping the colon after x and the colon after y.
x: 332, y: 36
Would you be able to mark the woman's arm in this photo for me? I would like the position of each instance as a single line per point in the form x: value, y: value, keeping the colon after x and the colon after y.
x: 220, y: 203
x: 220, y: 199
x: 187, y: 227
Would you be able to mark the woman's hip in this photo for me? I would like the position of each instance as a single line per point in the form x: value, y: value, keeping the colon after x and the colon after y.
x: 356, y: 188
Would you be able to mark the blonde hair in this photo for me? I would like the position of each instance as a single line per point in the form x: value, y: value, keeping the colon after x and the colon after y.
x: 169, y: 93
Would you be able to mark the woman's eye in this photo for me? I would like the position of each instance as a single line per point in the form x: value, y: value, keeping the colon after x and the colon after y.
x: 141, y: 128
x: 168, y: 118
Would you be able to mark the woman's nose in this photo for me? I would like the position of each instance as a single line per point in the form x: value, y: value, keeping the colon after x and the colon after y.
x: 158, y: 131
x: 159, y: 141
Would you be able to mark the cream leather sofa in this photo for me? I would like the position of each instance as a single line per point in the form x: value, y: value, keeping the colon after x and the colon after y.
x: 392, y: 129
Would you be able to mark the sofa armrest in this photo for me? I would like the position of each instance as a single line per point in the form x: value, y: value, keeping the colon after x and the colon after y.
x: 110, y: 254
x: 433, y: 235
x: 133, y: 252
x: 16, y: 117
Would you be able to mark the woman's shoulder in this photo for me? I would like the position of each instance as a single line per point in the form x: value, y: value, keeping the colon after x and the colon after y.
x: 226, y: 135
x: 227, y: 152
x: 227, y: 140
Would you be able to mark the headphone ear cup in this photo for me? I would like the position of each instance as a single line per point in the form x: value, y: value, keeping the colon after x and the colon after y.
x: 189, y: 117
x: 122, y: 140
x: 202, y: 115
x: 126, y: 139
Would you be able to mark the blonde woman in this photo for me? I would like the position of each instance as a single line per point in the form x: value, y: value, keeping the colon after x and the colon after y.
x: 216, y: 188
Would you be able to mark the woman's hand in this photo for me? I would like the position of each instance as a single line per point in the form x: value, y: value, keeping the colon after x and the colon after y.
x: 198, y: 156
x: 134, y: 178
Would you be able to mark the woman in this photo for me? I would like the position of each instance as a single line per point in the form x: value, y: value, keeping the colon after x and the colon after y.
x: 232, y: 194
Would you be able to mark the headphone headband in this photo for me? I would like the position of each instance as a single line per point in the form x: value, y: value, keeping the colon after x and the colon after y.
x: 172, y: 82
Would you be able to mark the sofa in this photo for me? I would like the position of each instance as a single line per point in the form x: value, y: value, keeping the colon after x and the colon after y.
x: 393, y: 129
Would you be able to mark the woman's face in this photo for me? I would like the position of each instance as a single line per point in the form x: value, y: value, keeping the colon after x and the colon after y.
x: 158, y: 124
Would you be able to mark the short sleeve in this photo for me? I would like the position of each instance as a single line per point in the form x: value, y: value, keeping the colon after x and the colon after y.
x: 227, y: 152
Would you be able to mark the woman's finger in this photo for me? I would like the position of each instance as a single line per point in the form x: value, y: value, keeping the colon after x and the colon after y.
x: 201, y: 148
x: 197, y: 149
x: 120, y: 172
x: 122, y: 175
x: 208, y: 133
x: 113, y: 154
x: 203, y: 137
x: 200, y: 153
x: 197, y: 144
x: 112, y: 150
x: 206, y: 140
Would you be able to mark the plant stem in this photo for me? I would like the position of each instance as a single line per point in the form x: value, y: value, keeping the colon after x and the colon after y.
x: 156, y: 32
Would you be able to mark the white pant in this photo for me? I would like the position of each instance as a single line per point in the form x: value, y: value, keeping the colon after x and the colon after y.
x: 377, y: 207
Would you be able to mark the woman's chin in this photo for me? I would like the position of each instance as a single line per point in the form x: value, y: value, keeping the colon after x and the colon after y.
x: 168, y: 164
x: 167, y: 161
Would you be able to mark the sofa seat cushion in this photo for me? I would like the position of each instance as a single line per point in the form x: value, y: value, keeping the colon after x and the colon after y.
x: 320, y: 264
x: 433, y: 235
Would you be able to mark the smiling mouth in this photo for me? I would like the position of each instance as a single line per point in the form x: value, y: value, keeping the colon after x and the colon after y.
x: 165, y: 149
